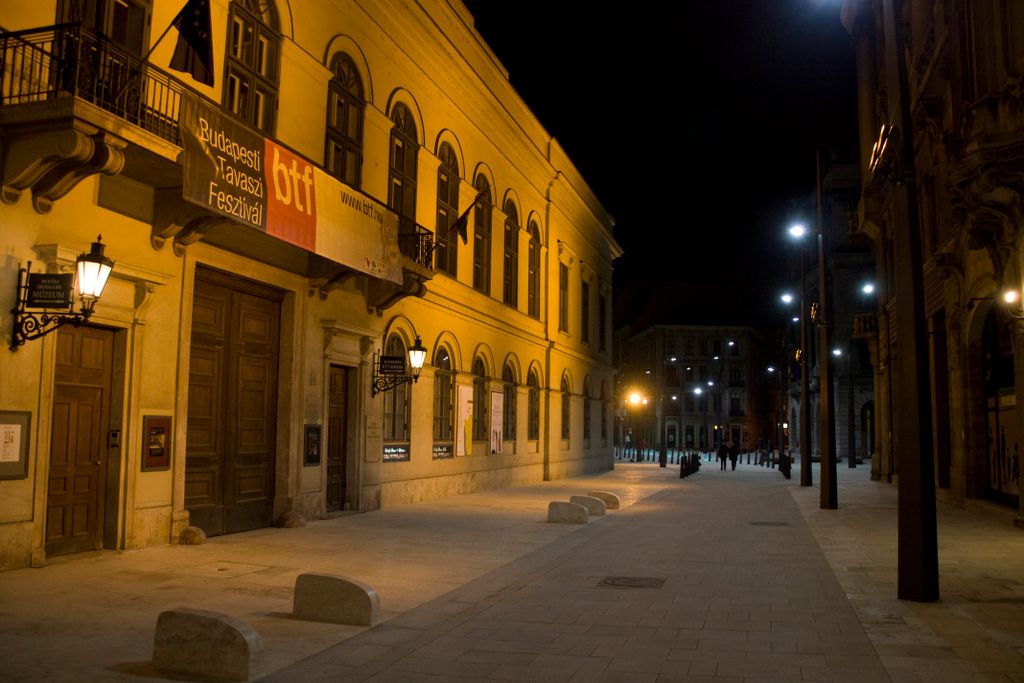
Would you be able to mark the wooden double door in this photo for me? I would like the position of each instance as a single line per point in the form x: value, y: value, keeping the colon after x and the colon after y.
x: 230, y: 456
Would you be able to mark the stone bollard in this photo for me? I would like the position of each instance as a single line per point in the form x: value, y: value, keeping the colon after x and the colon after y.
x: 595, y: 506
x: 567, y: 513
x: 209, y: 644
x: 611, y: 501
x: 334, y: 600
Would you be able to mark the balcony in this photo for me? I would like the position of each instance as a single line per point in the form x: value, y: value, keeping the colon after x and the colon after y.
x: 75, y: 104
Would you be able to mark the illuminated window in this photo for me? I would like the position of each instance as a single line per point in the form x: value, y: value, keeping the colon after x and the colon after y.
x: 586, y: 409
x: 533, y: 407
x: 533, y: 276
x: 510, y: 291
x: 480, y: 401
x: 402, y: 177
x: 566, y: 407
x: 398, y: 401
x: 482, y: 238
x: 343, y: 157
x: 444, y: 395
x: 585, y: 312
x: 251, y: 78
x: 508, y: 426
x: 447, y: 240
x: 563, y: 297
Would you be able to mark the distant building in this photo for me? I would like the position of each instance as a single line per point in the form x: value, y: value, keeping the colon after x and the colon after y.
x: 692, y: 387
x: 281, y: 239
x: 943, y: 212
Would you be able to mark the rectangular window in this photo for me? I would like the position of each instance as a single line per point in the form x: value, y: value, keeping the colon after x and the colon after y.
x: 563, y: 297
x: 602, y: 323
x: 585, y: 312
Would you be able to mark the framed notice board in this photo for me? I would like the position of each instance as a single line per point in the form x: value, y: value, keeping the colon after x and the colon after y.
x: 156, y: 442
x: 14, y: 432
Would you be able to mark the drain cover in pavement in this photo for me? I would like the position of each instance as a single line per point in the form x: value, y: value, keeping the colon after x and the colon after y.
x: 631, y: 582
x: 769, y: 524
x: 226, y: 569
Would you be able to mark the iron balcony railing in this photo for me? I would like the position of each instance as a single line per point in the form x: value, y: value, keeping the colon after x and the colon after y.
x: 415, y: 242
x: 70, y: 60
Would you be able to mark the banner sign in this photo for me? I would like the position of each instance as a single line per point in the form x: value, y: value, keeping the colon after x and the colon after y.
x: 235, y: 172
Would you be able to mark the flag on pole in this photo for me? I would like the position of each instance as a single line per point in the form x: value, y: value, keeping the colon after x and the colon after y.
x: 193, y: 54
x: 462, y: 222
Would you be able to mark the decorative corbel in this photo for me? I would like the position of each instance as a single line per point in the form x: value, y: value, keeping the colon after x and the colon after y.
x: 179, y: 220
x: 324, y: 286
x: 51, y: 163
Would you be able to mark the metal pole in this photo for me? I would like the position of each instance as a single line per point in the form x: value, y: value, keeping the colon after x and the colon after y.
x: 826, y: 425
x: 918, y: 566
x: 851, y: 439
x: 805, y: 385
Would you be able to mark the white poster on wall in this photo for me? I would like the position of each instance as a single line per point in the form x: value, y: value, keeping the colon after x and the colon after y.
x: 464, y: 422
x: 497, y: 420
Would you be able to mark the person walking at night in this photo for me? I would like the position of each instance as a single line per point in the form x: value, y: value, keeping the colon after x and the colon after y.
x: 734, y: 453
x: 723, y: 453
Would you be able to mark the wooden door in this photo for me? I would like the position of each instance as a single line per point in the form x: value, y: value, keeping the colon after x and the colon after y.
x: 75, y: 495
x: 337, y: 437
x: 232, y: 409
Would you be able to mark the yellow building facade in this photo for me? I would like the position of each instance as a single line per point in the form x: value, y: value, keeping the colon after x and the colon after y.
x: 279, y: 239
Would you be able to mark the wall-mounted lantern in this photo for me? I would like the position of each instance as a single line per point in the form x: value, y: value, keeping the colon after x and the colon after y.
x: 42, y: 291
x: 390, y: 371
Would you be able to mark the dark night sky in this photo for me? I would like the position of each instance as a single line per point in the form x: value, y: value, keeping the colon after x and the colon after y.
x: 696, y: 125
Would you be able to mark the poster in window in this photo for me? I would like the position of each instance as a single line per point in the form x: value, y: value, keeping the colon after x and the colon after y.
x: 311, y: 452
x: 464, y: 421
x: 14, y: 444
x: 497, y: 420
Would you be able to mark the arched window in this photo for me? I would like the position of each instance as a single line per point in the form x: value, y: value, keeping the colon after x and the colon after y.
x: 532, y: 407
x: 533, y: 280
x: 566, y: 407
x: 447, y: 240
x: 251, y: 81
x: 444, y: 396
x: 510, y: 289
x: 604, y: 412
x: 345, y: 104
x: 480, y: 401
x: 397, y: 402
x: 508, y: 427
x: 482, y: 237
x: 586, y: 409
x: 402, y: 177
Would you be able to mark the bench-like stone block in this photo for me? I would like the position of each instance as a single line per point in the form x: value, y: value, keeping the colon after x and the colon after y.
x: 611, y: 501
x: 567, y: 513
x: 209, y: 644
x: 335, y: 600
x: 595, y: 506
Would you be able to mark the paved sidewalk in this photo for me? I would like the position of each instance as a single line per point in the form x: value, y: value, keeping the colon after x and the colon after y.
x: 723, y: 576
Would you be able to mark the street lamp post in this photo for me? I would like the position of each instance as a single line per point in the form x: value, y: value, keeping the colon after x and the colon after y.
x: 797, y: 232
x: 826, y: 429
x: 829, y: 490
x: 707, y: 437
